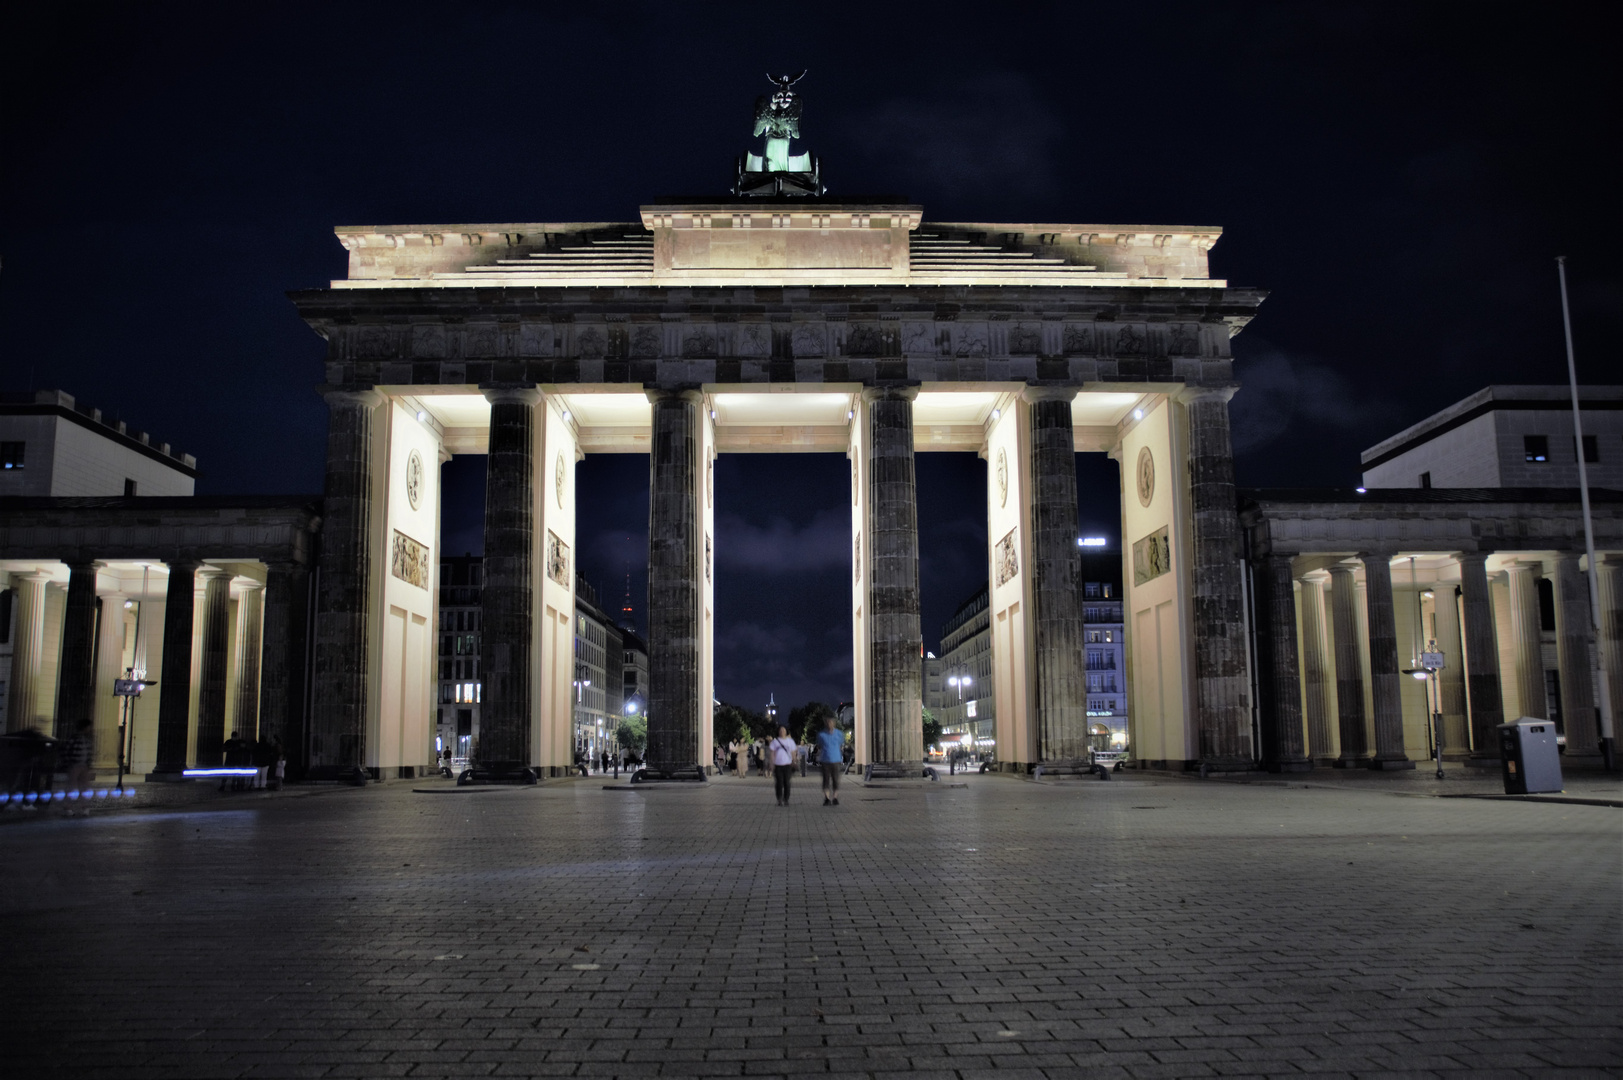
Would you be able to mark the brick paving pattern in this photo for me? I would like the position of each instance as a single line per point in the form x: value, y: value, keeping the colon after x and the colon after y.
x: 1138, y: 928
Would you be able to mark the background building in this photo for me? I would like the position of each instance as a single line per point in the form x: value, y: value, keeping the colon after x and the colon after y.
x: 1506, y: 437
x: 51, y: 445
x: 634, y: 672
x: 461, y: 688
x: 1106, y: 651
x: 599, y: 690
x: 966, y: 652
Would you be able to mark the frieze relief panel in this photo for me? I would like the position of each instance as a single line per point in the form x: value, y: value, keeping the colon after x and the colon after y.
x: 809, y: 340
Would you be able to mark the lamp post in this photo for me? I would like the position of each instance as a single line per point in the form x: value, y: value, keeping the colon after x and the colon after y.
x: 581, y: 683
x: 1431, y: 662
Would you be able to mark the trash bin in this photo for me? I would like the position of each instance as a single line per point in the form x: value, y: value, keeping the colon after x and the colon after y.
x: 1529, y: 757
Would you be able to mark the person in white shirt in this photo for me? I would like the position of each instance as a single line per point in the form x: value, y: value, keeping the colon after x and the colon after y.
x: 782, y: 751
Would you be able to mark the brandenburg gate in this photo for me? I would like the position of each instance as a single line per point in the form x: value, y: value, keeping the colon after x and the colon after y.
x: 777, y: 320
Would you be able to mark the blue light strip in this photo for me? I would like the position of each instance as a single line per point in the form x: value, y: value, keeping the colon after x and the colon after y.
x: 220, y: 772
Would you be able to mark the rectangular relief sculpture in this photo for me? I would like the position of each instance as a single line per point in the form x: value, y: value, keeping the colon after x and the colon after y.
x: 408, y: 560
x: 1005, y: 558
x: 1152, y: 556
x: 557, y: 559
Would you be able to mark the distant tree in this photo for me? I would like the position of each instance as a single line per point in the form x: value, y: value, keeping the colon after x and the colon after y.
x: 632, y: 733
x: 932, y: 729
x: 736, y: 722
x: 807, y: 720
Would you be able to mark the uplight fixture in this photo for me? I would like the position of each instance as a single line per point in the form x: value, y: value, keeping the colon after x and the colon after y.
x: 1360, y: 490
x: 1090, y: 541
x: 421, y: 416
x: 1138, y: 414
x: 996, y: 413
x: 568, y: 416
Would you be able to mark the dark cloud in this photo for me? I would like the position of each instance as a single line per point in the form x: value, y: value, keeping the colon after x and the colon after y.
x: 988, y: 132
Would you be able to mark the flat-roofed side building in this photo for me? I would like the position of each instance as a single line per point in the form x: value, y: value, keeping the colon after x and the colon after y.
x: 50, y: 445
x: 1505, y: 437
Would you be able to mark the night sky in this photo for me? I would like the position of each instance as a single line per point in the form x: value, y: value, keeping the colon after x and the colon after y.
x: 1400, y: 176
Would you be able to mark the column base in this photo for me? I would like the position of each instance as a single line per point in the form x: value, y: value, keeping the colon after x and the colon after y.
x: 1352, y: 763
x: 1390, y: 764
x: 681, y: 774
x: 498, y: 772
x: 1291, y: 767
x: 347, y: 774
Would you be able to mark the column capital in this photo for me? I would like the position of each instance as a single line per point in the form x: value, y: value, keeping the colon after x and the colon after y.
x: 511, y: 393
x: 1478, y: 557
x: 1189, y: 395
x: 1610, y: 559
x: 351, y: 395
x: 892, y: 392
x: 657, y: 395
x: 185, y: 564
x: 1034, y: 393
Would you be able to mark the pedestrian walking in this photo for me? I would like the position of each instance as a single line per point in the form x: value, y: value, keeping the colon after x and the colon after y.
x: 77, y: 755
x: 782, y: 750
x: 830, y: 751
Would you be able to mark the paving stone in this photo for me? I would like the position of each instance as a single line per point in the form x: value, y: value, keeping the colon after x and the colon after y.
x: 286, y: 937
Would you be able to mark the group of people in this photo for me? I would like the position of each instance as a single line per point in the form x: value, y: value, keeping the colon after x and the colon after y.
x: 827, y: 750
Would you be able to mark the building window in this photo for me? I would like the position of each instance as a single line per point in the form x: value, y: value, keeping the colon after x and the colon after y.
x: 1591, y: 450
x: 129, y: 486
x: 11, y: 454
x: 1110, y: 635
x: 1536, y: 447
x: 1093, y: 637
x: 1425, y: 479
x: 1091, y: 590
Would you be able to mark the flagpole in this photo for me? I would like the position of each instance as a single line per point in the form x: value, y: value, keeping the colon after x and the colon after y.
x: 1601, y: 679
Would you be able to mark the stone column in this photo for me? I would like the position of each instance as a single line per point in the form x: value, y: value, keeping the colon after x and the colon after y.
x: 1061, y: 693
x: 1222, y: 698
x: 896, y: 693
x: 1279, y: 681
x: 1451, y: 680
x: 248, y: 650
x: 215, y: 667
x: 281, y: 665
x: 1349, y: 669
x: 175, y: 679
x: 1611, y: 629
x: 1318, y: 674
x: 76, y: 668
x: 1482, y: 659
x: 1383, y: 666
x: 1574, y: 634
x: 337, y: 744
x: 675, y: 557
x: 109, y: 712
x: 26, y: 646
x: 1526, y: 627
x: 505, y: 614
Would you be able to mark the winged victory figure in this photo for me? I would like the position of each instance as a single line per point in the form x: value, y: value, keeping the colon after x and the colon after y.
x: 777, y: 116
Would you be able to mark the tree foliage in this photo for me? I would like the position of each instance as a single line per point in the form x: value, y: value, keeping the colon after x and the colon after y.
x: 632, y: 731
x: 932, y: 729
x: 807, y: 720
x: 734, y: 722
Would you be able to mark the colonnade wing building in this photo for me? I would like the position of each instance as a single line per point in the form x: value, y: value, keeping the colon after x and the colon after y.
x: 794, y: 325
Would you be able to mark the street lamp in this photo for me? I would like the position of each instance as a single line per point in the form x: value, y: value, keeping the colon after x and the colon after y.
x: 959, y: 681
x: 1431, y: 662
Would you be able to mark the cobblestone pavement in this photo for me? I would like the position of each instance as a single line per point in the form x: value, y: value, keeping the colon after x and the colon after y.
x: 1138, y: 928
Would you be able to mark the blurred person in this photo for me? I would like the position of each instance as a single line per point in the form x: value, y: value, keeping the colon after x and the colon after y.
x: 830, y: 751
x: 782, y: 750
x: 77, y: 754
